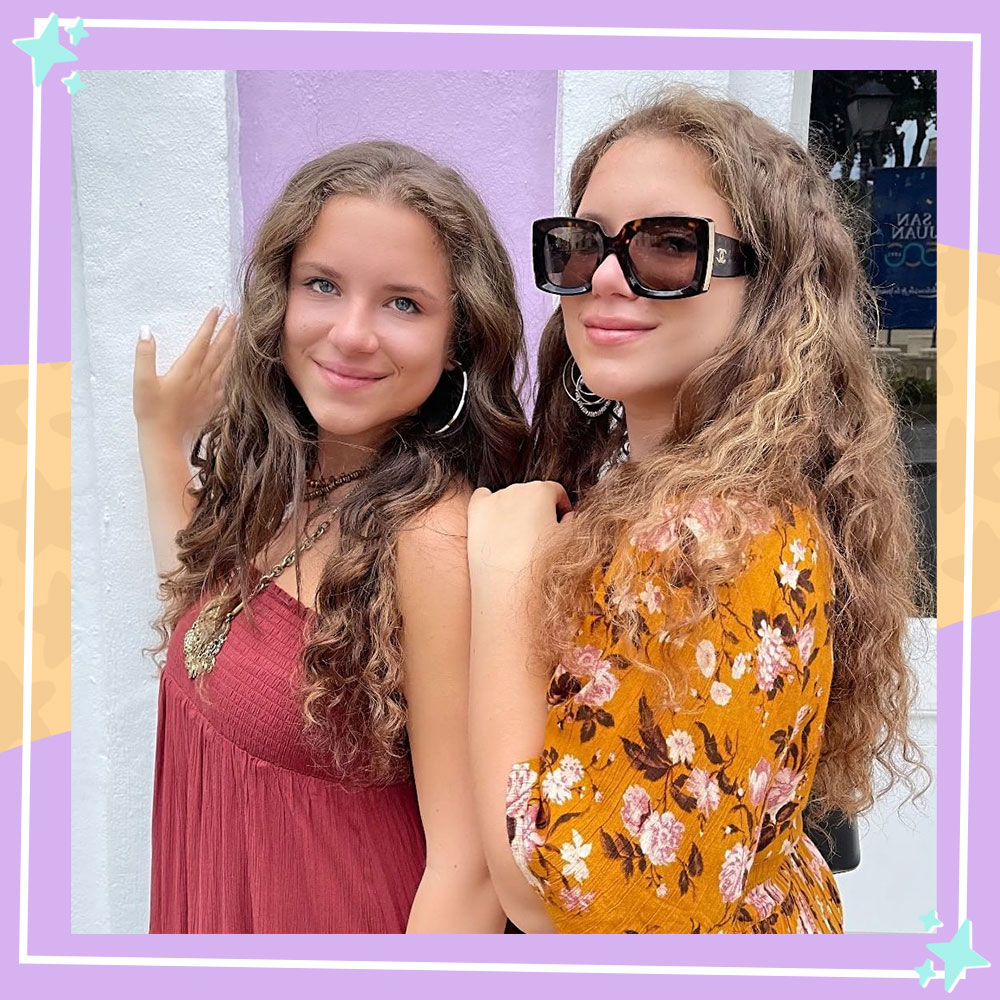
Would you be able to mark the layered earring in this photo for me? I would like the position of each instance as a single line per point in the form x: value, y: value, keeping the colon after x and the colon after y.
x: 590, y: 404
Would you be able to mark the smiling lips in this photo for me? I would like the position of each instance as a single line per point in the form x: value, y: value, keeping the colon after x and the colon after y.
x: 346, y: 377
x: 608, y: 330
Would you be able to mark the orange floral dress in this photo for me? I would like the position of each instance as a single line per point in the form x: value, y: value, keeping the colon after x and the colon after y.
x: 644, y: 817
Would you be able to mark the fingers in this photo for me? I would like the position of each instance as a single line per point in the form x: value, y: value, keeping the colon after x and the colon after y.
x: 222, y: 342
x: 564, y: 508
x: 195, y: 352
x: 145, y: 357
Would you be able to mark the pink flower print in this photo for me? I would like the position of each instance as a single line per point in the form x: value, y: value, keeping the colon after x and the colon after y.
x: 704, y: 654
x: 740, y: 665
x: 575, y: 900
x: 782, y: 789
x: 733, y: 874
x: 575, y: 854
x: 557, y: 785
x: 721, y: 693
x: 520, y: 782
x: 583, y: 661
x: 763, y: 898
x: 705, y: 516
x: 657, y: 537
x: 815, y: 860
x: 705, y: 790
x: 760, y: 774
x: 572, y: 768
x: 804, y: 923
x: 661, y: 890
x: 652, y: 597
x: 798, y: 550
x: 789, y: 575
x: 772, y: 656
x: 680, y: 747
x: 635, y: 809
x: 804, y: 639
x: 660, y: 837
x: 600, y: 688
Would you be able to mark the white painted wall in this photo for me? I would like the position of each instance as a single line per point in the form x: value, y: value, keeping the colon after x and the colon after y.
x: 154, y: 230
x: 592, y: 99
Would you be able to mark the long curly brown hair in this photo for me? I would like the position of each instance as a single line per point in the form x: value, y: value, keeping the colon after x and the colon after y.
x: 253, y: 458
x: 792, y: 409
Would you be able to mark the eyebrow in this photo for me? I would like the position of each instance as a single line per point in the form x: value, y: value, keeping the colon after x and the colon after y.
x: 314, y: 267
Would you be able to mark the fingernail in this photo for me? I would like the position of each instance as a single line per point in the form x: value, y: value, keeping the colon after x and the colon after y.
x: 145, y: 333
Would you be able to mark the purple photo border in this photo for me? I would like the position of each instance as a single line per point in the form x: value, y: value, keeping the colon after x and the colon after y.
x: 121, y: 49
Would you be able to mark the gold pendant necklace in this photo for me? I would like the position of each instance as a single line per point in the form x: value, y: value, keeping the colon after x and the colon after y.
x: 205, y: 638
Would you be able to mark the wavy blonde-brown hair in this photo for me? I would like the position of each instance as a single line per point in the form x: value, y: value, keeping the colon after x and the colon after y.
x: 254, y: 457
x: 792, y: 409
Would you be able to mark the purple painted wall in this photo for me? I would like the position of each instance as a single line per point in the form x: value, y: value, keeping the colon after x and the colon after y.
x: 496, y: 127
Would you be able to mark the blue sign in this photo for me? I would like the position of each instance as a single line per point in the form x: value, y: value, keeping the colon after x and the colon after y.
x: 904, y: 246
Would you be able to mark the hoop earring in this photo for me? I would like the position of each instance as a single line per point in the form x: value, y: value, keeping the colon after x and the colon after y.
x: 461, y: 403
x: 590, y: 404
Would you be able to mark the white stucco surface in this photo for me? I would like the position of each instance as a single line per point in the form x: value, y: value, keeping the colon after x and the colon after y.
x: 592, y: 99
x: 154, y: 229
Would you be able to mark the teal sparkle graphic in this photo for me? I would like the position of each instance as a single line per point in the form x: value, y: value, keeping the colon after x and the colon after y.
x: 930, y: 920
x: 45, y: 50
x: 958, y: 955
x: 925, y: 972
x: 77, y: 33
x: 74, y: 82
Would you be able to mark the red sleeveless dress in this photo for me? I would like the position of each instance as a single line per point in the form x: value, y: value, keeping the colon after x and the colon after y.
x: 250, y: 836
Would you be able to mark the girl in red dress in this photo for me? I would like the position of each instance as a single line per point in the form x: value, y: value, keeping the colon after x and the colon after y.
x: 311, y: 763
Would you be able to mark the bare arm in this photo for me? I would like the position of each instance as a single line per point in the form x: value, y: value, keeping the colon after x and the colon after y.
x: 455, y: 894
x: 508, y: 706
x: 169, y: 411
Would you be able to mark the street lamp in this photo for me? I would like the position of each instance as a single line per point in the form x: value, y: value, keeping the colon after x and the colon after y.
x: 867, y: 113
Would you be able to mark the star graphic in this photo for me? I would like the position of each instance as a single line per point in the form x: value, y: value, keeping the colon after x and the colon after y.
x: 77, y: 33
x: 45, y: 50
x: 930, y: 920
x: 74, y: 82
x: 958, y: 955
x: 925, y: 972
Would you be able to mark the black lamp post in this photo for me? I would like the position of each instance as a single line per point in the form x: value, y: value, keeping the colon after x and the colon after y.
x: 867, y: 113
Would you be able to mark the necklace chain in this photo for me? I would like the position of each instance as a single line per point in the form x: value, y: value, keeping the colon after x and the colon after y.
x: 207, y: 634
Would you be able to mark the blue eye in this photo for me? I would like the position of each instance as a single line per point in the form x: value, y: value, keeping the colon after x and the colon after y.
x: 321, y: 285
x: 405, y: 305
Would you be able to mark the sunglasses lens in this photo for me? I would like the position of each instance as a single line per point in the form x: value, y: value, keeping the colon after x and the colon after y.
x: 664, y: 254
x: 570, y: 255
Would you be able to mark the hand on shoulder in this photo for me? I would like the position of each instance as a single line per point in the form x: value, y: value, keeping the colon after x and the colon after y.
x: 507, y: 527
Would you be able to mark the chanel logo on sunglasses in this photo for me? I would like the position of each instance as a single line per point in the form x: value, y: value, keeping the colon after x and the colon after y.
x: 721, y: 255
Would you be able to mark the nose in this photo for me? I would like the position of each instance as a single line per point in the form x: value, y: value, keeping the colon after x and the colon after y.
x: 353, y: 331
x: 609, y: 279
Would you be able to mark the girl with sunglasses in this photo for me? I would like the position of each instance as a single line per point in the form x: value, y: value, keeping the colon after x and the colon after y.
x: 690, y: 627
x: 313, y: 705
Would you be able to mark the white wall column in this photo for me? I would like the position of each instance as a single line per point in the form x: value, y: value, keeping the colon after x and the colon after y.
x: 155, y: 228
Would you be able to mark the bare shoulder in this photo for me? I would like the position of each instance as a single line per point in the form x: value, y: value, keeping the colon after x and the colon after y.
x: 435, y: 539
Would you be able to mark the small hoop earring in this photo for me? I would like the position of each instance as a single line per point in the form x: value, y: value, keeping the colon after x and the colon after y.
x: 590, y: 404
x: 461, y: 403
